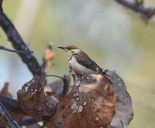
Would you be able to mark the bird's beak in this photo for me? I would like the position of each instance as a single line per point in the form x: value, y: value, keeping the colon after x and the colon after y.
x: 62, y: 48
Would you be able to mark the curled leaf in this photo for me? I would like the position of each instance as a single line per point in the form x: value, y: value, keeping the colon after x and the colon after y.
x: 33, y: 100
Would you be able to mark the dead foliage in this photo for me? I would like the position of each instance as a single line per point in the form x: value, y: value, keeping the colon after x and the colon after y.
x: 92, y: 102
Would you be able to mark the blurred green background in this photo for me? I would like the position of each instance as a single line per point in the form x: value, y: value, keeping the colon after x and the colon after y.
x: 114, y: 36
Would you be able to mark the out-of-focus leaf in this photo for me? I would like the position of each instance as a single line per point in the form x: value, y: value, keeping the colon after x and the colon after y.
x: 5, y: 91
x: 33, y: 100
x: 123, y: 107
x: 48, y: 57
x: 93, y: 107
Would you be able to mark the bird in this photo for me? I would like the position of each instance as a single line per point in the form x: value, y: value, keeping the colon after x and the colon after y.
x: 81, y: 63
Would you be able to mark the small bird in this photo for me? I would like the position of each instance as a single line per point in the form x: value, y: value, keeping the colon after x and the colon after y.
x: 81, y: 63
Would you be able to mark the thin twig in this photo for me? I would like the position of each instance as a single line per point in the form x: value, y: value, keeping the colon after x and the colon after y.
x: 15, y: 51
x: 55, y: 76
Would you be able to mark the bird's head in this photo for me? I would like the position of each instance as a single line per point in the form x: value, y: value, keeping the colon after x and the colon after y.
x: 70, y: 50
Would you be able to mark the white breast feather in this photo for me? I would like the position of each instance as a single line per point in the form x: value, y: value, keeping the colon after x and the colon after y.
x: 79, y: 68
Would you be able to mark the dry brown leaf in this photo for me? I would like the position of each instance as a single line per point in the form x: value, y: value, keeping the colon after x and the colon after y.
x: 95, y: 106
x: 33, y: 100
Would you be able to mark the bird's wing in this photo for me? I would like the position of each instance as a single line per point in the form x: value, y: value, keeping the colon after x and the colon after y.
x: 90, y: 64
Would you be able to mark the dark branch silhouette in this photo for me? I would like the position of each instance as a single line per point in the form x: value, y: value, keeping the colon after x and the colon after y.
x: 15, y: 51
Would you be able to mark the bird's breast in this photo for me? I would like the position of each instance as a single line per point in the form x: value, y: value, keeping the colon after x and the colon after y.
x: 78, y: 68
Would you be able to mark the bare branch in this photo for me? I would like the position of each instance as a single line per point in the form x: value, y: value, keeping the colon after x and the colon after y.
x: 137, y: 6
x: 15, y: 51
x: 7, y: 117
x: 56, y: 76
